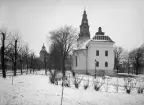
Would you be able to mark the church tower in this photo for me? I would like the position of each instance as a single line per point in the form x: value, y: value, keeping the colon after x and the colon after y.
x: 84, y: 34
x: 43, y: 53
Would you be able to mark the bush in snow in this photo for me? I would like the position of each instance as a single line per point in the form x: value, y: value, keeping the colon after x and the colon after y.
x: 66, y: 82
x: 140, y: 88
x: 116, y: 85
x: 106, y: 81
x: 77, y: 81
x: 86, y: 84
x: 53, y: 77
x: 128, y: 85
x: 97, y: 84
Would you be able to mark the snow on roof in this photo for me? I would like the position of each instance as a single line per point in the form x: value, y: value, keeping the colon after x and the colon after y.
x: 83, y: 45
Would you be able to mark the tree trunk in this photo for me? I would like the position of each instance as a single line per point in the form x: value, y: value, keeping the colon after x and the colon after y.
x: 3, y: 62
x: 62, y: 90
x: 128, y: 70
x: 33, y: 70
x: 27, y: 64
x: 31, y: 65
x: 21, y: 67
x: 21, y: 71
x: 15, y: 68
x: 117, y: 69
x: 2, y: 55
x: 136, y: 72
x: 45, y: 67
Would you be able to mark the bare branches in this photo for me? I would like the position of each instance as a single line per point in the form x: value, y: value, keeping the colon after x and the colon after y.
x: 65, y: 37
x: 136, y: 57
x: 119, y: 56
x: 63, y: 41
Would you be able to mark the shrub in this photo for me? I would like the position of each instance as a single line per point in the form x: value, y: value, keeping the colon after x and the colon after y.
x: 97, y: 84
x: 140, y: 83
x: 66, y: 82
x: 116, y: 85
x: 53, y: 80
x: 86, y: 84
x: 128, y: 85
x: 140, y: 90
x: 96, y: 87
x: 107, y: 78
x: 53, y: 77
x: 77, y: 81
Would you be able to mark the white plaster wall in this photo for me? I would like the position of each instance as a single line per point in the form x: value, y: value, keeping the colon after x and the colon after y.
x: 81, y: 60
x: 102, y: 47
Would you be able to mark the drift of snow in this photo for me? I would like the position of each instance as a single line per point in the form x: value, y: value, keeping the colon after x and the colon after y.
x: 36, y: 90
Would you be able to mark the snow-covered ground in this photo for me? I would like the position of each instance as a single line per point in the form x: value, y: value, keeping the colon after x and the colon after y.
x: 36, y: 90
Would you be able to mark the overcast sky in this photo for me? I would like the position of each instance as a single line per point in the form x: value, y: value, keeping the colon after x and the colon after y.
x: 122, y: 20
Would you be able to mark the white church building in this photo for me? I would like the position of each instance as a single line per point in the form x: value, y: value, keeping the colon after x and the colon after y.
x: 93, y: 55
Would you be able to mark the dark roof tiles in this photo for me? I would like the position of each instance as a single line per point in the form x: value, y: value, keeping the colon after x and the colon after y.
x: 102, y: 38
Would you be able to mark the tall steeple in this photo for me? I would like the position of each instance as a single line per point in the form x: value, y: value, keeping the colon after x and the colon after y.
x: 84, y: 18
x: 43, y: 47
x: 84, y: 28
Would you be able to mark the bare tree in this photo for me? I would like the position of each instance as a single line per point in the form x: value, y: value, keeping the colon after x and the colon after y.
x: 26, y: 56
x: 55, y: 57
x: 4, y: 34
x: 136, y: 57
x: 21, y: 56
x: 37, y: 63
x: 32, y: 62
x: 118, y: 53
x: 14, y: 49
x: 65, y: 39
x: 45, y: 61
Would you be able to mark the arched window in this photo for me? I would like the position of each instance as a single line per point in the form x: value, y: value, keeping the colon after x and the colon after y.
x: 97, y: 64
x: 106, y: 64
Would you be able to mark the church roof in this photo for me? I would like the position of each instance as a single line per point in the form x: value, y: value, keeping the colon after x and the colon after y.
x: 102, y: 38
x: 99, y: 36
x: 84, y: 44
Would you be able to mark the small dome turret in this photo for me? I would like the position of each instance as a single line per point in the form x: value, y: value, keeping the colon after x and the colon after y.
x: 100, y: 36
x: 100, y: 31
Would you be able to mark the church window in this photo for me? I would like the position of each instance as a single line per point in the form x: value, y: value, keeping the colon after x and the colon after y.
x: 97, y: 52
x: 97, y: 64
x: 106, y: 64
x: 106, y: 53
x: 76, y: 61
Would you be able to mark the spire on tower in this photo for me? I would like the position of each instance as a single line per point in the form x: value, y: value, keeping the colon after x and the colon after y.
x: 43, y: 47
x: 84, y: 9
x: 84, y: 27
x: 84, y: 18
